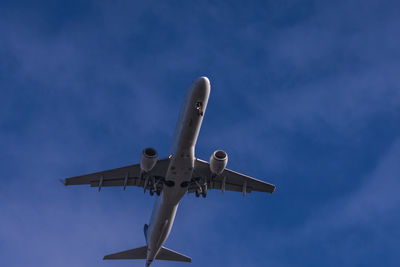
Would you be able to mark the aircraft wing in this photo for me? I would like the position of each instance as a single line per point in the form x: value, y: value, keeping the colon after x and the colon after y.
x: 124, y: 176
x: 228, y: 180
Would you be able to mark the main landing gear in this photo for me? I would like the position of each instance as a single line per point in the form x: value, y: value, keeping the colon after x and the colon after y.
x: 203, y: 194
x: 157, y: 191
x: 201, y: 190
x: 154, y: 186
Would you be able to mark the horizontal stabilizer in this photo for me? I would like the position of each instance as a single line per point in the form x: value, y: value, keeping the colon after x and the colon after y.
x: 141, y: 253
x: 132, y: 254
x: 170, y: 255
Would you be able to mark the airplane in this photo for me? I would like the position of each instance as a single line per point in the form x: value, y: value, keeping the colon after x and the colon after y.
x: 172, y: 177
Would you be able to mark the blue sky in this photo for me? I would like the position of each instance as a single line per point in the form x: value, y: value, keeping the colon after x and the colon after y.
x: 305, y: 94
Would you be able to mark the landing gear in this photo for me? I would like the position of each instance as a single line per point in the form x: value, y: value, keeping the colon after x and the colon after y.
x: 201, y: 189
x: 157, y: 191
x: 202, y: 192
x: 154, y: 184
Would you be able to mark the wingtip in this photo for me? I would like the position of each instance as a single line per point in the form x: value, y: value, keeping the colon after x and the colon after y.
x: 273, y: 189
x: 107, y: 257
x: 63, y: 181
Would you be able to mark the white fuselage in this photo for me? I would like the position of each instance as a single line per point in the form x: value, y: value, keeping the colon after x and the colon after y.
x: 180, y: 168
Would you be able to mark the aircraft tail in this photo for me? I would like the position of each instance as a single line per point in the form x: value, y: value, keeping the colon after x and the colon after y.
x: 141, y: 253
x: 145, y: 228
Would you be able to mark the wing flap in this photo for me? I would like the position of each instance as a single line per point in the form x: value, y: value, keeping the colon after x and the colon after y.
x: 118, y: 173
x: 132, y: 181
x: 236, y: 179
x: 119, y: 176
x: 229, y: 180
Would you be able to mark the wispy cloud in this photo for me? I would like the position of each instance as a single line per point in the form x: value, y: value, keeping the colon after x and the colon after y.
x: 348, y: 230
x: 303, y: 92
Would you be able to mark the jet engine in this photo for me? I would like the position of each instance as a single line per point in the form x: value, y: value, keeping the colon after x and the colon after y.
x: 218, y: 161
x: 149, y: 159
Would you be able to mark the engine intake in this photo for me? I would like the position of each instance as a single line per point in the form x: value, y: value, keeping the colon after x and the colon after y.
x: 149, y: 159
x: 218, y: 161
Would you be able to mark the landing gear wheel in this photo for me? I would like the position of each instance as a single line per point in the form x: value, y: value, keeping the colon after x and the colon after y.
x: 151, y: 192
x: 204, y: 194
x: 197, y: 193
x: 158, y: 192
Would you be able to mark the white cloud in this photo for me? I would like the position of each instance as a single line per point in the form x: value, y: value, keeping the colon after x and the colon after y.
x: 337, y: 230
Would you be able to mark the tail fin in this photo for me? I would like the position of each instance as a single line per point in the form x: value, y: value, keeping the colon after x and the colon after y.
x: 132, y: 254
x: 145, y: 228
x: 170, y: 255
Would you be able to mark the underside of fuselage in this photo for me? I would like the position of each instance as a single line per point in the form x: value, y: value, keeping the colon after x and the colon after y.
x: 181, y: 166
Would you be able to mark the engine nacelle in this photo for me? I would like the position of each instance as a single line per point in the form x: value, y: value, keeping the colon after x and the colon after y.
x: 149, y: 159
x: 218, y: 161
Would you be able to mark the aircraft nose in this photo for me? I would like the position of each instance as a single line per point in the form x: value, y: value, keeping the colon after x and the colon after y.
x: 203, y: 81
x: 202, y: 86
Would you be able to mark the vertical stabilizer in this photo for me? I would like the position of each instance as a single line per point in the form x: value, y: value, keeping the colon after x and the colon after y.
x: 145, y: 228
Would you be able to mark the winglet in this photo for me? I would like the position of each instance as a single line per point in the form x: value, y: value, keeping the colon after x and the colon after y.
x: 63, y: 181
